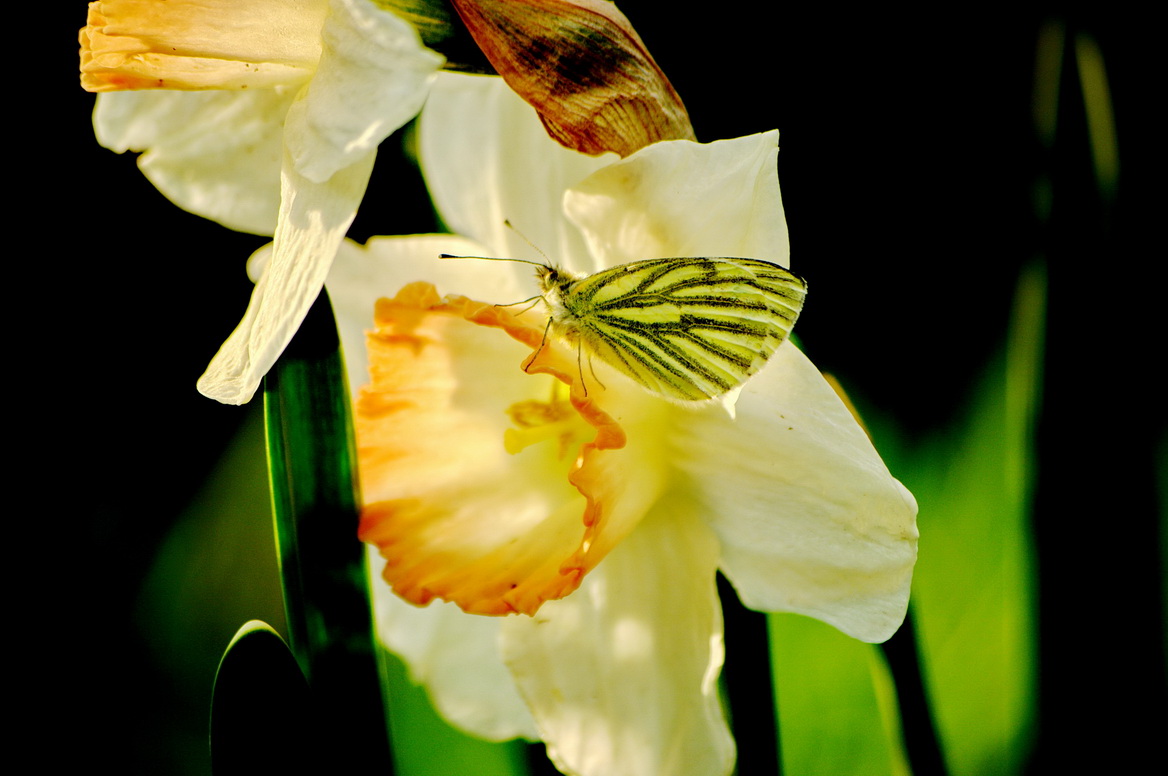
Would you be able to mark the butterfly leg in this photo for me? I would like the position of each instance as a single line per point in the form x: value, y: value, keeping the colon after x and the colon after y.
x: 592, y: 369
x: 580, y: 369
x: 533, y: 299
x: 539, y: 350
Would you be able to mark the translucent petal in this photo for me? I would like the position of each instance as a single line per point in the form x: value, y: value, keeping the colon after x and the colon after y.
x: 456, y: 656
x: 681, y: 198
x: 809, y: 518
x: 621, y: 676
x: 520, y: 180
x: 213, y: 153
x: 313, y: 220
x: 372, y: 78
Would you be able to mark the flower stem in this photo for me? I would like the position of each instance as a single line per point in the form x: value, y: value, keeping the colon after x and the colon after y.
x: 312, y: 465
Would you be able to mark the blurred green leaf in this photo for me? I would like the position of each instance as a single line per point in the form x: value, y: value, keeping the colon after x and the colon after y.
x: 261, y: 716
x: 973, y: 592
x: 830, y: 709
x: 973, y: 589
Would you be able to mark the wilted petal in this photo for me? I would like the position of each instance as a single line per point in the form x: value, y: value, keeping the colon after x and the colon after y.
x: 373, y: 77
x: 583, y: 67
x: 313, y: 220
x: 213, y: 153
x: 621, y: 676
x: 200, y: 44
x: 456, y: 657
x: 685, y: 199
x: 809, y: 518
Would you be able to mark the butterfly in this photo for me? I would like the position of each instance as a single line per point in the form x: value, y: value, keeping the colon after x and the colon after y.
x: 687, y: 329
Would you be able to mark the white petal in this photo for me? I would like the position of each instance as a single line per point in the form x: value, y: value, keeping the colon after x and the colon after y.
x: 313, y: 220
x: 681, y: 198
x: 621, y: 676
x: 456, y: 656
x: 488, y: 159
x: 362, y: 275
x: 374, y: 74
x: 809, y: 518
x: 213, y: 153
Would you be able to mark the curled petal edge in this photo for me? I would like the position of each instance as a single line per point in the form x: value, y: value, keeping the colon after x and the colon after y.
x: 484, y: 591
x: 312, y: 223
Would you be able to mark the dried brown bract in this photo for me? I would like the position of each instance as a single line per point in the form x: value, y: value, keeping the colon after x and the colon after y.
x: 583, y: 67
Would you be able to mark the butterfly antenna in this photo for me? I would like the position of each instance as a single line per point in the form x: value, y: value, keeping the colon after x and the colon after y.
x: 488, y: 258
x: 507, y: 223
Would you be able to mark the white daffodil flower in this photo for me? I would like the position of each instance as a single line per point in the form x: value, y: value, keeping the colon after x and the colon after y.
x: 601, y: 518
x: 264, y: 115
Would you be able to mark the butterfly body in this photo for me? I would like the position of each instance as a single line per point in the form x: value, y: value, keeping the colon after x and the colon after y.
x: 689, y: 329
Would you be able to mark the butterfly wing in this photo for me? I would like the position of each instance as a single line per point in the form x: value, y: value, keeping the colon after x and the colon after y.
x: 686, y: 328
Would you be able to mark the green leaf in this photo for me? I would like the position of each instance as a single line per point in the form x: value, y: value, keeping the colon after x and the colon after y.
x: 830, y: 708
x: 973, y: 592
x: 973, y: 588
x: 312, y: 462
x: 260, y: 711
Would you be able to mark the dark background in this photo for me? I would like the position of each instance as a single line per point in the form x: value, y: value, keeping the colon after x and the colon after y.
x: 916, y: 189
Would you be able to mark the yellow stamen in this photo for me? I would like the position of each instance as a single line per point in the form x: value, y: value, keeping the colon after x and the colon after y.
x: 539, y: 421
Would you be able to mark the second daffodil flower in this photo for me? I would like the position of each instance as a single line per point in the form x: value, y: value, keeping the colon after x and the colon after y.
x: 603, y: 516
x: 265, y: 116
